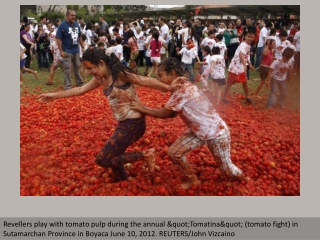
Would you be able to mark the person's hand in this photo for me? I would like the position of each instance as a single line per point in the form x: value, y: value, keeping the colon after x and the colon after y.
x: 251, y: 67
x: 135, y: 106
x: 46, y: 97
x: 177, y: 83
x: 62, y: 54
x: 267, y: 83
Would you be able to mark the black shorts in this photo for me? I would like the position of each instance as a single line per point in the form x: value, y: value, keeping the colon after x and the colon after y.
x: 263, y: 72
x: 220, y: 82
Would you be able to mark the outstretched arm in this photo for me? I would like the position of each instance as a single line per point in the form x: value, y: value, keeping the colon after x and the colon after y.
x: 47, y: 97
x: 157, y: 113
x: 153, y: 83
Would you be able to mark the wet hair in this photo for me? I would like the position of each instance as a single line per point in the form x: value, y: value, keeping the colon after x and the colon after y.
x: 219, y: 37
x: 215, y: 51
x: 283, y: 34
x: 288, y: 53
x: 207, y: 49
x: 95, y: 55
x: 170, y: 64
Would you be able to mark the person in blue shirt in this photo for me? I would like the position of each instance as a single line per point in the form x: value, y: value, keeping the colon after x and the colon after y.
x: 68, y: 38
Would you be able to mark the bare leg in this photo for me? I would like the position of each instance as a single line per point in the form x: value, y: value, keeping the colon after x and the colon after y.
x: 218, y: 93
x: 35, y: 73
x: 184, y: 144
x: 262, y: 82
x: 52, y: 70
x: 21, y: 78
x: 245, y: 89
x: 149, y: 157
x: 154, y: 68
x: 226, y: 91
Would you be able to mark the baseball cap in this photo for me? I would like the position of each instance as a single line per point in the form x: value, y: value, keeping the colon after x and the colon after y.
x: 171, y: 21
x: 184, y: 21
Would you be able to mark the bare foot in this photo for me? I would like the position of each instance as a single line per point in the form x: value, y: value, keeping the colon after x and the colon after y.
x: 192, y: 181
x: 150, y: 158
x: 36, y: 74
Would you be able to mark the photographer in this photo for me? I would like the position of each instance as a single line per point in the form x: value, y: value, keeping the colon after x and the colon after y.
x: 176, y: 40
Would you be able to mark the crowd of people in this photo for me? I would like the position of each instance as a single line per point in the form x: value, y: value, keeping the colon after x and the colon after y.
x: 140, y: 44
x: 112, y: 53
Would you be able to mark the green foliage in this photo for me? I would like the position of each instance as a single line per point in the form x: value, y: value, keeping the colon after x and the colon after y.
x: 82, y: 13
x: 123, y: 8
x: 28, y: 10
x: 52, y: 15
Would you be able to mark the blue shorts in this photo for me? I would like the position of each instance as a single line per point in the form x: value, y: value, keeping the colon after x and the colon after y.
x: 148, y: 62
x: 22, y: 62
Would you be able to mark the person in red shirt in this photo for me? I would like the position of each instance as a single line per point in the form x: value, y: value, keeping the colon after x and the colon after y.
x: 239, y: 29
x: 293, y: 30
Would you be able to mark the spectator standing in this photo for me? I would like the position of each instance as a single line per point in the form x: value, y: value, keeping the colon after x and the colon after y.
x: 198, y: 29
x: 164, y: 33
x: 68, y: 38
x: 103, y: 24
x: 43, y: 43
x: 27, y: 42
x: 296, y: 42
x: 140, y: 38
x: 262, y: 40
x: 252, y: 28
x: 239, y: 29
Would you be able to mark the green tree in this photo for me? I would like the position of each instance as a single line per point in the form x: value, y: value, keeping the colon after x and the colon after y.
x: 28, y: 10
x: 53, y: 15
x: 82, y: 12
x: 70, y: 7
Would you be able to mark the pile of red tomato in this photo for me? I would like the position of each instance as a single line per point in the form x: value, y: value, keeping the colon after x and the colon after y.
x: 59, y: 141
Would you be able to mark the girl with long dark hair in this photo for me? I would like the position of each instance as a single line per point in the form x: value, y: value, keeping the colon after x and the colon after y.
x: 118, y: 83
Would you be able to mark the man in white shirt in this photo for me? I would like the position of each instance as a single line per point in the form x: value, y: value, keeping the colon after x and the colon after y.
x: 164, y: 33
x: 262, y: 40
x: 184, y: 33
